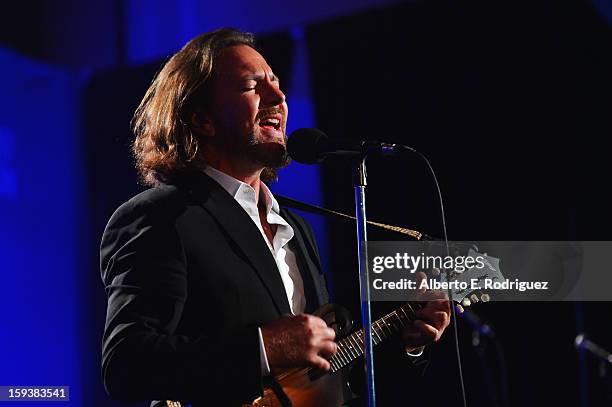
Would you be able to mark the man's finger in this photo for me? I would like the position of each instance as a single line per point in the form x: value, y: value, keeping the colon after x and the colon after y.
x: 328, y: 334
x: 441, y: 304
x: 320, y: 363
x: 328, y: 349
x: 315, y: 322
x: 427, y: 331
x: 433, y: 317
x: 431, y: 295
x: 420, y: 276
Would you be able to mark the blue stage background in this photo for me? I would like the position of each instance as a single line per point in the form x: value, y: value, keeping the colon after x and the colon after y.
x: 485, y: 80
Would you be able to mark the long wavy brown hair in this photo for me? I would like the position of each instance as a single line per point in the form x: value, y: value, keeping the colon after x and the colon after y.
x: 165, y: 145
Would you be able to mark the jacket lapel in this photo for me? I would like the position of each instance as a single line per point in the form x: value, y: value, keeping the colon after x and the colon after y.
x: 240, y: 228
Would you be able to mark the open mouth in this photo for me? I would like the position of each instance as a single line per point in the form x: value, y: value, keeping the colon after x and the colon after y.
x: 270, y: 123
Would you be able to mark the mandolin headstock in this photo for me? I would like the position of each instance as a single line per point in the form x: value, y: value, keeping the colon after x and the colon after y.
x: 466, y: 287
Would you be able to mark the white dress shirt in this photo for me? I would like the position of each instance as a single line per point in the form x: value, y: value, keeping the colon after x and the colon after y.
x: 284, y: 257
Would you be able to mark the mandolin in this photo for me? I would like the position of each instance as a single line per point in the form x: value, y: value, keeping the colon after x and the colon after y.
x: 312, y: 387
x: 307, y: 387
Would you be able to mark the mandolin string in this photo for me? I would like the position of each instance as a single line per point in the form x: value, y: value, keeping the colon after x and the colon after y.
x: 336, y: 360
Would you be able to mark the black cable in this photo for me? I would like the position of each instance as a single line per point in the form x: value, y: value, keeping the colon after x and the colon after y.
x: 312, y: 208
x: 452, y: 307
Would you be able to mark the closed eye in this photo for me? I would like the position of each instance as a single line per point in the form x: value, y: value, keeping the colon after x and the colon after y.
x: 249, y: 84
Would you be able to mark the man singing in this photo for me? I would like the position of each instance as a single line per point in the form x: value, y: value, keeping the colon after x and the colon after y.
x: 211, y: 284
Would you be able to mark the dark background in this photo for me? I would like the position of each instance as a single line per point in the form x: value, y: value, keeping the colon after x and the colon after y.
x: 510, y: 100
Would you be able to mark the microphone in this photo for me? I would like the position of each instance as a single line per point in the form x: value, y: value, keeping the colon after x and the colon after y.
x: 312, y: 146
x: 581, y: 342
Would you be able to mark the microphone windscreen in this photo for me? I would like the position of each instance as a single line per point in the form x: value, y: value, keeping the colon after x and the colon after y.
x: 304, y: 145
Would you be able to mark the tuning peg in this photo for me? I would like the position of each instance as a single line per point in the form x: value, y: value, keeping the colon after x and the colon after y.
x: 466, y: 302
x: 485, y: 297
x: 474, y: 298
x: 459, y: 308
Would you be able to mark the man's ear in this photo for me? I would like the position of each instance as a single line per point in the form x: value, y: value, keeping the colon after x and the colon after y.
x: 201, y: 124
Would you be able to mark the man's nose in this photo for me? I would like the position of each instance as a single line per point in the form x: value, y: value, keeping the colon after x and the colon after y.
x: 272, y: 95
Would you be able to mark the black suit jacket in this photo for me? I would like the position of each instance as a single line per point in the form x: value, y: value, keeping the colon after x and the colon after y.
x: 189, y: 278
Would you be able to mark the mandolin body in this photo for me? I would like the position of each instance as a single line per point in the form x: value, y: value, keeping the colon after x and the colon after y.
x: 305, y: 389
